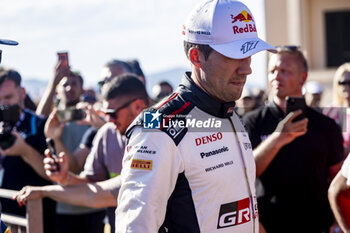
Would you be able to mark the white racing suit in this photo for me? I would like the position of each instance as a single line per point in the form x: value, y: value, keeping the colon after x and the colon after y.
x: 193, y: 172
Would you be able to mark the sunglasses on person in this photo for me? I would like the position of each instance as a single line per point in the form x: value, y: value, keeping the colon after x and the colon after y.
x: 344, y: 83
x: 113, y: 112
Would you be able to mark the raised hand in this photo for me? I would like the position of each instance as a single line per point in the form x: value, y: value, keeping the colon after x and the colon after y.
x: 56, y: 167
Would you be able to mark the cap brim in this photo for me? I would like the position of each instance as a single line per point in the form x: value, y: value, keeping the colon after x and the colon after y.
x: 8, y: 42
x: 240, y: 49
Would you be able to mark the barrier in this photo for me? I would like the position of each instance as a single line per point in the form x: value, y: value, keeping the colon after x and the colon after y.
x: 32, y: 223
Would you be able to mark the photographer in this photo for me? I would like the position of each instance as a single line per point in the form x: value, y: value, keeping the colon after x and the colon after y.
x: 22, y: 148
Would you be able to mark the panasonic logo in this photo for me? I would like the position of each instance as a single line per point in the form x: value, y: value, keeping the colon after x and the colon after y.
x: 214, y: 152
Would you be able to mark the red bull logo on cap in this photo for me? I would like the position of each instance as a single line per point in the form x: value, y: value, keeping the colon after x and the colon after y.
x: 243, y: 16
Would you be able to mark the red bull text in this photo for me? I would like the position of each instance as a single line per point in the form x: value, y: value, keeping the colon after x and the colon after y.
x: 244, y: 16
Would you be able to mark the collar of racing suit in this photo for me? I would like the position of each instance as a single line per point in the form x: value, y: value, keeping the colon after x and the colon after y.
x: 191, y: 92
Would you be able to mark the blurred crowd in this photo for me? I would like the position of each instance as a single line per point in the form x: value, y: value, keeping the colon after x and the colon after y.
x: 68, y: 148
x: 83, y: 125
x: 86, y: 126
x: 89, y: 127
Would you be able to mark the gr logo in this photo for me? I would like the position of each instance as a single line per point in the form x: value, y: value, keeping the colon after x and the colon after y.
x: 234, y: 213
x: 151, y: 120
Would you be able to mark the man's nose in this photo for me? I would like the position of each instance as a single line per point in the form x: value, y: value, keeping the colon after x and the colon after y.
x: 244, y: 67
x: 275, y: 75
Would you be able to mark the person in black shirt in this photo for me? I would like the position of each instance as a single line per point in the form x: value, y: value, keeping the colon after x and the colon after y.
x: 22, y: 163
x: 295, y: 160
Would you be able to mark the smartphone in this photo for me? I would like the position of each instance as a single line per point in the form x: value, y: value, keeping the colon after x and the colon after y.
x: 70, y: 114
x: 294, y: 104
x: 63, y: 58
x: 51, y: 146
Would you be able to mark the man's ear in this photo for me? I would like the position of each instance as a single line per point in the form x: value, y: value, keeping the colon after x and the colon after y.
x: 138, y: 106
x: 23, y: 93
x: 303, y: 78
x: 193, y: 55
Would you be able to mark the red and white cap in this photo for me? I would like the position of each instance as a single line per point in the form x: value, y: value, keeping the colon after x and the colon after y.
x: 227, y: 26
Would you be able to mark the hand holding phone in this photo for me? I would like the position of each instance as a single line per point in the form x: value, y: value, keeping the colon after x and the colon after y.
x: 70, y: 114
x: 51, y: 146
x: 63, y: 58
x: 294, y: 104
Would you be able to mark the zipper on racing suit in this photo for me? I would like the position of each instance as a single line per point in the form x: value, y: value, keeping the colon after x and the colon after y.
x: 245, y: 173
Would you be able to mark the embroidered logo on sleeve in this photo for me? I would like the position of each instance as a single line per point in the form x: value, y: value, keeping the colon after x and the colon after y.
x: 141, y: 164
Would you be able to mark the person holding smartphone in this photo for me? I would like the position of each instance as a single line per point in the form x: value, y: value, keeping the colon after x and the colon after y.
x: 295, y: 158
x: 67, y: 87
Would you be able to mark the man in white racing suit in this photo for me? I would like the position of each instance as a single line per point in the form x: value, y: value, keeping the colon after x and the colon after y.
x: 188, y: 165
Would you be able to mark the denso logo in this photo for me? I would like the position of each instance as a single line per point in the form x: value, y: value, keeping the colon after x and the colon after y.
x: 207, y: 139
x: 234, y: 213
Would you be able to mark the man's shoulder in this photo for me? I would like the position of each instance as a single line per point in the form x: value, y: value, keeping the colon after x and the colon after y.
x: 32, y: 127
x: 256, y: 114
x: 174, y: 104
x: 31, y: 122
x: 107, y: 127
x: 320, y: 119
x: 174, y: 108
x: 29, y: 115
x: 108, y: 131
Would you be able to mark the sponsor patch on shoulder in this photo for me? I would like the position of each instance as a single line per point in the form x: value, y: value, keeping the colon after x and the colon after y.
x: 141, y: 164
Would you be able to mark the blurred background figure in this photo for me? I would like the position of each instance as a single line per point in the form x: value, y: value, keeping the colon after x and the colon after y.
x: 136, y: 69
x: 28, y: 102
x: 161, y: 90
x: 340, y: 110
x: 313, y: 94
x: 246, y: 103
x: 22, y: 145
x: 287, y: 151
x: 339, y: 196
x: 112, y: 69
x: 60, y: 103
x: 341, y: 86
x: 260, y: 96
x: 116, y: 67
x: 89, y: 96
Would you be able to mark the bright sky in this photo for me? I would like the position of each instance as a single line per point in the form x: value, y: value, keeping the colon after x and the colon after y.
x: 95, y: 31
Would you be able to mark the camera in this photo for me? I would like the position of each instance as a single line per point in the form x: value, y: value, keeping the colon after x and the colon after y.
x: 70, y: 114
x: 9, y: 115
